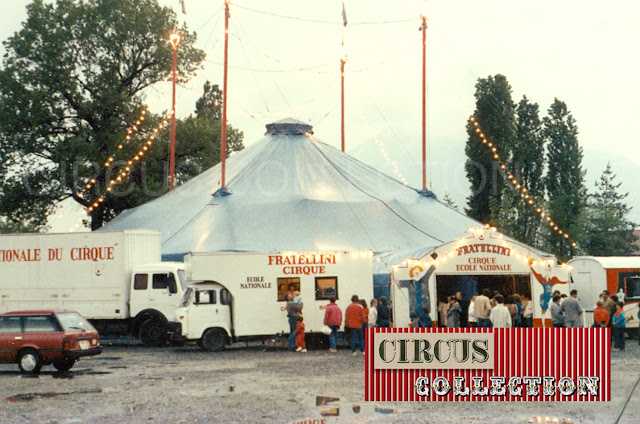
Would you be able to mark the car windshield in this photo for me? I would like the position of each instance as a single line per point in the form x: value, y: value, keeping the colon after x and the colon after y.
x: 73, y: 321
x: 186, y: 297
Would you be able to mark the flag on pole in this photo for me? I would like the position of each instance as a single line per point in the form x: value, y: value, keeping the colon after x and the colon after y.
x: 184, y: 10
x: 344, y: 15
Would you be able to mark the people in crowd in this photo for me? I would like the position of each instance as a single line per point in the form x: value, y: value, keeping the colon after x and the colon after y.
x: 518, y: 302
x: 453, y: 314
x: 301, y: 346
x: 609, y: 304
x: 365, y: 323
x: 619, y: 324
x: 353, y: 319
x: 373, y: 313
x: 333, y: 319
x: 472, y: 321
x: 510, y: 304
x: 482, y: 309
x: 292, y: 290
x: 464, y: 307
x: 282, y: 292
x: 443, y: 307
x: 527, y: 311
x: 500, y: 316
x: 494, y: 302
x: 572, y: 311
x: 601, y: 317
x: 384, y: 314
x: 294, y: 311
x: 557, y: 316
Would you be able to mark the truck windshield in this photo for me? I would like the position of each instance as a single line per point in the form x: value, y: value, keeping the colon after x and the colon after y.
x: 186, y: 298
x: 73, y: 321
x: 182, y: 277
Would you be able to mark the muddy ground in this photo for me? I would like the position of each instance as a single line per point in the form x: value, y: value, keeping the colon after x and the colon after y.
x: 130, y: 383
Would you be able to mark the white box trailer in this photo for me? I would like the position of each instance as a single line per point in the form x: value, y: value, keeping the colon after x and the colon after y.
x: 114, y: 279
x: 590, y: 275
x: 241, y: 296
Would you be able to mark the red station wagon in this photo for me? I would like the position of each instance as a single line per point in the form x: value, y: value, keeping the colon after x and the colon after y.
x: 36, y: 338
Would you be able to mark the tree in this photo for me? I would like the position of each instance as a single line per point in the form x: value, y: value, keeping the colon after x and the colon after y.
x: 517, y: 217
x: 448, y: 201
x: 564, y: 180
x: 72, y: 81
x: 495, y: 113
x: 609, y: 232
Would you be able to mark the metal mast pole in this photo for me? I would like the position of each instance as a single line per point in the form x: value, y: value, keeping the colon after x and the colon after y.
x: 223, y: 138
x: 175, y: 40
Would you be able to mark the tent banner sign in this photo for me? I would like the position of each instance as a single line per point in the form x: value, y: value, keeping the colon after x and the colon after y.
x: 488, y: 364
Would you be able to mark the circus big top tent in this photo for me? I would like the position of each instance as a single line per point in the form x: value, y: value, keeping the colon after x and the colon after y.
x: 292, y: 192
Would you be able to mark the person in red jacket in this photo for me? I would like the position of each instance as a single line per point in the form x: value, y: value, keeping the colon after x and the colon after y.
x: 353, y: 319
x: 601, y: 316
x: 301, y: 346
x: 333, y: 319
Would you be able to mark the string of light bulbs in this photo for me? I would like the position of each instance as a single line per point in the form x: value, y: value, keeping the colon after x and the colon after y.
x: 517, y: 186
x: 128, y: 168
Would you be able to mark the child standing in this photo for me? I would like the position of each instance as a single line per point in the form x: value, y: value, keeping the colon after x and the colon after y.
x: 301, y: 346
x: 619, y: 324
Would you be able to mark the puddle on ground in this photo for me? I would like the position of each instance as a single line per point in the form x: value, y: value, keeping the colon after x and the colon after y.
x: 384, y: 411
x: 356, y: 409
x: 108, y: 358
x: 231, y: 388
x: 27, y: 397
x: 118, y: 367
x: 64, y: 375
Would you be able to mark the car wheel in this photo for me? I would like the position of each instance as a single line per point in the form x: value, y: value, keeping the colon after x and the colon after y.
x: 64, y: 365
x: 214, y: 339
x: 30, y: 361
x: 154, y: 333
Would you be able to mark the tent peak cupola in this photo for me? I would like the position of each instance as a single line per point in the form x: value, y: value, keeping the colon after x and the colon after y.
x: 289, y: 126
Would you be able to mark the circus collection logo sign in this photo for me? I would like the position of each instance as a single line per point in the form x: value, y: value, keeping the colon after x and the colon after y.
x: 506, y: 364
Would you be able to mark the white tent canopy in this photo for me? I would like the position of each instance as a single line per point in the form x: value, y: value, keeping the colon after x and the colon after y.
x: 292, y: 192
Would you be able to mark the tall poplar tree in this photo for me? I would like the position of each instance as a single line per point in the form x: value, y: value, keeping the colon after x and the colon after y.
x: 495, y: 113
x: 517, y: 217
x: 564, y: 180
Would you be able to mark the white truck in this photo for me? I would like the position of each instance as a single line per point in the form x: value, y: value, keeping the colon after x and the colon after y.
x: 242, y: 296
x: 114, y: 279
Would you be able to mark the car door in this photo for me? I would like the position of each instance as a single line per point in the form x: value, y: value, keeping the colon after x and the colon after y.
x: 163, y: 295
x: 43, y: 333
x: 11, y: 337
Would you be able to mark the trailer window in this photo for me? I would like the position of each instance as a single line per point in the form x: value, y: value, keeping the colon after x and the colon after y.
x: 326, y: 287
x: 140, y: 282
x: 225, y: 297
x: 10, y: 325
x: 632, y: 287
x: 287, y: 285
x: 205, y: 297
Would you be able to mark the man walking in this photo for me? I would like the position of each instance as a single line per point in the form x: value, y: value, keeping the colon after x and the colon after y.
x: 482, y: 309
x: 572, y: 311
x: 557, y: 316
x: 333, y: 319
x: 500, y: 316
x: 353, y: 319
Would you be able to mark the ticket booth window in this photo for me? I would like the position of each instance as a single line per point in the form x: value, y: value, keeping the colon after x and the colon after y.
x: 326, y: 287
x: 287, y: 285
x: 632, y: 287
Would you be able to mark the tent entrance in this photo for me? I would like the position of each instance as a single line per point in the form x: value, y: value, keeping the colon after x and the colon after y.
x: 471, y: 285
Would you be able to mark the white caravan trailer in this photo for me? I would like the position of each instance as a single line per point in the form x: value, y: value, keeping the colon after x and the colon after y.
x: 242, y: 296
x: 590, y: 275
x: 114, y: 279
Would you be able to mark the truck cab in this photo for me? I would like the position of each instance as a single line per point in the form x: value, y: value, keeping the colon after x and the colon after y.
x: 156, y: 290
x: 205, y: 315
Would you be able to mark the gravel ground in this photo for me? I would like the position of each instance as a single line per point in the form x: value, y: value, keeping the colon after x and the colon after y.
x: 130, y: 383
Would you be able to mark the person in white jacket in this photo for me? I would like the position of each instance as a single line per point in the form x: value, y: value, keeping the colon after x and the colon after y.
x: 500, y: 316
x: 472, y: 320
x: 373, y: 313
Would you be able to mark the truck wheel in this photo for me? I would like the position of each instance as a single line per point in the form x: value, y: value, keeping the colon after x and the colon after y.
x: 214, y: 340
x: 30, y: 361
x: 154, y: 333
x: 64, y: 365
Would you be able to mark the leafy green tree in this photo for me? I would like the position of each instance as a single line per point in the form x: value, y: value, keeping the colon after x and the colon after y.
x: 517, y: 217
x: 495, y: 113
x: 608, y: 230
x: 564, y: 180
x: 72, y: 81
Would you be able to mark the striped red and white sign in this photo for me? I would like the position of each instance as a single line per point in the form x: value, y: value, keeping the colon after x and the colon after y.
x: 568, y: 358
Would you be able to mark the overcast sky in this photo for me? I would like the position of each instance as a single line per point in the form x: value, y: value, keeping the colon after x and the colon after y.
x: 582, y: 52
